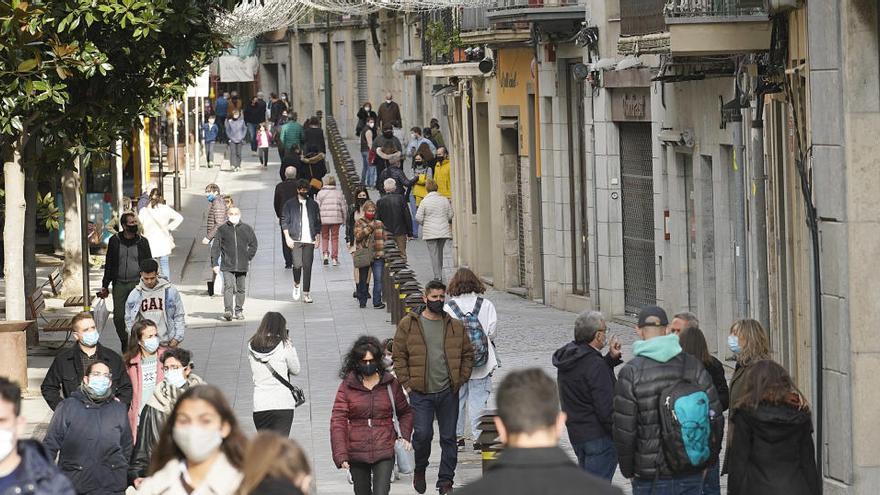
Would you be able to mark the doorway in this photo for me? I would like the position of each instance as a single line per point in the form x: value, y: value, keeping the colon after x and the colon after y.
x: 577, y: 184
x: 637, y: 199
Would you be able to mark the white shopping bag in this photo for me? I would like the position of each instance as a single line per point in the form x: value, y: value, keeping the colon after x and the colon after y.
x: 101, y: 314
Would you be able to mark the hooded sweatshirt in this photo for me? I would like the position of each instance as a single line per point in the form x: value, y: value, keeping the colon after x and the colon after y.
x: 162, y: 304
x: 269, y: 393
x: 586, y: 390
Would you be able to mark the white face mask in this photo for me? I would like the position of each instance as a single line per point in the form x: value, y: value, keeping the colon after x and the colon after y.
x: 234, y: 219
x: 388, y: 101
x: 197, y: 443
x: 211, y: 121
x: 7, y: 443
x: 367, y: 108
x: 371, y: 124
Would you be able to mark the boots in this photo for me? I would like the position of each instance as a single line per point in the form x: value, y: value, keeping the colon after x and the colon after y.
x: 210, y: 288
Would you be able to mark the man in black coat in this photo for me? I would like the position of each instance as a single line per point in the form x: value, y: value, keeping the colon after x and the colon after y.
x: 529, y: 423
x: 393, y: 211
x: 66, y: 373
x: 125, y: 251
x: 232, y: 255
x: 586, y: 391
x: 285, y: 191
x: 254, y: 115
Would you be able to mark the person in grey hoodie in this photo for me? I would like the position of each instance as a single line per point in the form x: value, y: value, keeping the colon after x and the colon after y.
x: 156, y: 299
x: 236, y: 130
x: 270, y: 350
x: 236, y: 247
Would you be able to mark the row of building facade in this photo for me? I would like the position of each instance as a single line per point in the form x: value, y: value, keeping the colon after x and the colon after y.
x: 708, y: 156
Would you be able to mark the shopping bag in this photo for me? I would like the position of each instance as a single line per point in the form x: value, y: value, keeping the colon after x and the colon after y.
x: 101, y: 314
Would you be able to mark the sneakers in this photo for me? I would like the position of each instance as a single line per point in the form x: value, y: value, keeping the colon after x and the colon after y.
x: 419, y: 483
x: 335, y: 262
x: 379, y: 306
x: 227, y: 316
x: 444, y: 487
x: 307, y: 298
x: 239, y: 316
x: 461, y: 444
x: 326, y: 260
x: 297, y: 292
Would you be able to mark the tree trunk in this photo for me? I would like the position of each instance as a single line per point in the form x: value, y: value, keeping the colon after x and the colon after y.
x: 73, y: 269
x: 30, y: 246
x: 13, y: 232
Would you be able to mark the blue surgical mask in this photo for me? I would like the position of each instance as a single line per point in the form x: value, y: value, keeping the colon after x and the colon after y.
x: 211, y: 196
x: 90, y: 339
x: 151, y: 344
x: 733, y: 343
x: 175, y: 377
x: 99, y: 385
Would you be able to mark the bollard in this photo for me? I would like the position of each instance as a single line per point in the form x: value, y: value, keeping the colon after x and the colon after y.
x: 488, y: 442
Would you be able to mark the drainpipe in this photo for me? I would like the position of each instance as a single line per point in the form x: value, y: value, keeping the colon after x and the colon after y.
x: 759, y: 214
x: 739, y: 212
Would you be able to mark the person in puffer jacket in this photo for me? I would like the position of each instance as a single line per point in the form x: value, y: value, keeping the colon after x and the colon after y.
x: 216, y: 217
x: 362, y: 432
x: 435, y: 215
x: 157, y: 299
x: 331, y: 203
x: 659, y: 363
x: 270, y: 350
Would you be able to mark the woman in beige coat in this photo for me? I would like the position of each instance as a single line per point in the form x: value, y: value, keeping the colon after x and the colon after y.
x: 435, y: 216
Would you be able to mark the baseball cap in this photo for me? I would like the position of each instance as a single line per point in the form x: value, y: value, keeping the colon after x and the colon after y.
x: 652, y: 316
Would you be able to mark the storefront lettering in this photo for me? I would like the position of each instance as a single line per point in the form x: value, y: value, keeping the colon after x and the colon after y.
x: 634, y: 106
x: 508, y: 80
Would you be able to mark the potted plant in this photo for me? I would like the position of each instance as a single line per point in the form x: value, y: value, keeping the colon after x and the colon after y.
x: 445, y: 42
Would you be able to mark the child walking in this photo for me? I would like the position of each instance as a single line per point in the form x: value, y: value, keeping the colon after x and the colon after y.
x: 264, y: 137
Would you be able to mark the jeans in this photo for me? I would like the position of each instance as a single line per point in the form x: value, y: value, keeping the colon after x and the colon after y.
x: 475, y: 394
x: 120, y: 292
x: 264, y: 157
x: 209, y: 152
x: 235, y: 155
x: 285, y: 249
x: 220, y: 120
x: 234, y: 284
x: 278, y: 420
x: 363, y: 286
x: 445, y: 406
x: 380, y: 472
x: 252, y: 136
x: 597, y: 457
x: 435, y: 252
x: 164, y: 267
x: 414, y: 209
x: 368, y: 174
x: 712, y: 481
x: 330, y: 240
x: 691, y: 484
x: 303, y: 256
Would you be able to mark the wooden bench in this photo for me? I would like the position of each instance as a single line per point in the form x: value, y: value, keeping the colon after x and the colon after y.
x: 37, y: 305
x: 55, y: 281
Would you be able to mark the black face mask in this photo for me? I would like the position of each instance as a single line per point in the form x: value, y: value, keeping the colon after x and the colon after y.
x: 360, y: 201
x: 303, y: 193
x: 436, y: 307
x: 131, y: 229
x: 388, y: 134
x: 368, y: 369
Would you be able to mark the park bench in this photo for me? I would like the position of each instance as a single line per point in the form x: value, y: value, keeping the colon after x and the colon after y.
x: 55, y: 281
x: 36, y: 303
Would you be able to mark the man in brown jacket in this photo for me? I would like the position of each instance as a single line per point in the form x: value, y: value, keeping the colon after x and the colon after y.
x: 433, y: 357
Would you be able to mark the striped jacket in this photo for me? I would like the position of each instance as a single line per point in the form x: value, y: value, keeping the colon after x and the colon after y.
x: 362, y: 230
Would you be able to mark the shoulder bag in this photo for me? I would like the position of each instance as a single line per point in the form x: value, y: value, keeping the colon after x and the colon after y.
x: 406, y: 460
x: 363, y: 256
x: 299, y: 397
x: 314, y: 182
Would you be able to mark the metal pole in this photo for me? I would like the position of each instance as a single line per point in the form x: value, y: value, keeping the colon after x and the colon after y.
x: 186, y: 154
x: 176, y: 160
x: 759, y: 216
x: 117, y: 180
x: 739, y: 232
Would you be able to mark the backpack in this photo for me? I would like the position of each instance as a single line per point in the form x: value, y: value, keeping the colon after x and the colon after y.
x: 686, y: 423
x: 479, y: 340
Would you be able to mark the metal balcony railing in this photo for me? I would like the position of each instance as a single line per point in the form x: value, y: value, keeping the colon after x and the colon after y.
x: 714, y: 8
x: 638, y: 17
x: 474, y: 19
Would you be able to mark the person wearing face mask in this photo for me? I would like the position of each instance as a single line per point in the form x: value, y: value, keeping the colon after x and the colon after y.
x: 284, y: 192
x: 290, y: 135
x: 201, y: 449
x: 443, y: 174
x: 177, y: 377
x: 435, y: 215
x: 370, y: 232
x: 68, y: 368
x: 236, y: 246
x: 362, y: 431
x: 236, y: 131
x: 368, y: 134
x: 125, y: 251
x: 416, y: 141
x: 25, y: 467
x: 90, y: 434
x: 301, y: 223
x: 216, y: 217
x: 142, y: 362
x: 386, y: 141
x: 586, y: 392
x: 210, y: 133
x: 364, y: 113
x: 354, y: 214
x: 270, y: 350
x: 159, y: 220
x: 389, y: 113
x: 157, y: 299
x: 433, y: 358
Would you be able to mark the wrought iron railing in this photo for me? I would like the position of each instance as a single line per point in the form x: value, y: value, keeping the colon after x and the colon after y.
x: 715, y: 8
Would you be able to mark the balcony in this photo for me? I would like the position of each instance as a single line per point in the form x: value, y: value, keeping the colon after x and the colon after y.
x: 543, y: 11
x: 693, y: 27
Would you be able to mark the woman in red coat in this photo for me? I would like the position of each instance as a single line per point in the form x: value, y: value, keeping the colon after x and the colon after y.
x: 362, y: 431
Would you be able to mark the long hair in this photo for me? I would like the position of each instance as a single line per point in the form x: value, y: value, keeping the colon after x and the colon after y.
x: 271, y: 332
x: 364, y: 344
x: 767, y: 382
x: 693, y: 342
x: 233, y: 445
x: 134, y: 347
x: 753, y: 341
x: 269, y: 455
x: 156, y: 198
x: 465, y: 281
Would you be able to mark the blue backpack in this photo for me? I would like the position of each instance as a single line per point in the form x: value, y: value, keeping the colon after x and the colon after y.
x: 479, y: 340
x: 686, y: 423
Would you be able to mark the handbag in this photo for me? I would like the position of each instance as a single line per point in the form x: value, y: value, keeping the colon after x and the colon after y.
x: 299, y: 397
x: 315, y: 183
x: 371, y: 156
x: 364, y: 256
x: 406, y: 458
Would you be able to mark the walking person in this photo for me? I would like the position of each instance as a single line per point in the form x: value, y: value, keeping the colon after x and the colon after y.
x: 436, y: 134
x: 290, y: 135
x: 364, y: 112
x: 301, y: 223
x: 201, y: 449
x: 369, y: 232
x: 421, y: 173
x: 254, y: 116
x: 368, y: 134
x: 355, y: 213
x: 284, y: 192
x: 177, y: 367
x: 312, y: 169
x: 276, y: 465
x: 264, y: 138
x: 276, y: 107
x: 159, y: 220
x: 772, y: 448
x: 142, y: 362
x: 645, y: 454
x: 272, y: 356
x: 433, y: 358
x: 465, y: 302
x: 210, y: 134
x: 158, y: 300
x: 216, y: 217
x: 389, y: 115
x: 236, y: 131
x: 392, y: 159
x: 313, y: 137
x: 529, y: 424
x: 90, y: 434
x: 331, y: 202
x: 586, y: 391
x: 393, y: 211
x: 416, y: 140
x: 443, y: 173
x: 362, y: 430
x: 125, y: 251
x: 236, y: 246
x: 221, y: 110
x: 435, y: 216
x: 385, y: 141
x: 65, y: 375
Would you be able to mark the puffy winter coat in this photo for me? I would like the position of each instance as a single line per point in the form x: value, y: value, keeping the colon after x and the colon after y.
x: 158, y: 223
x: 331, y: 202
x: 361, y: 426
x: 235, y: 247
x: 434, y: 214
x: 94, y: 442
x: 410, y: 353
x: 37, y: 474
x: 216, y: 216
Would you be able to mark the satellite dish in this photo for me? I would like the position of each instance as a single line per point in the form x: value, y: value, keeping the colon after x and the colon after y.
x: 580, y: 71
x: 486, y: 66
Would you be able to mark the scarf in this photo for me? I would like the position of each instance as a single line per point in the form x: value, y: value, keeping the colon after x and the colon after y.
x: 90, y: 394
x: 166, y: 394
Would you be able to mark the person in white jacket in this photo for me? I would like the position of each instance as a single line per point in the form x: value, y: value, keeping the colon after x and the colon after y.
x: 435, y: 216
x: 464, y: 300
x: 270, y: 349
x: 158, y: 220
